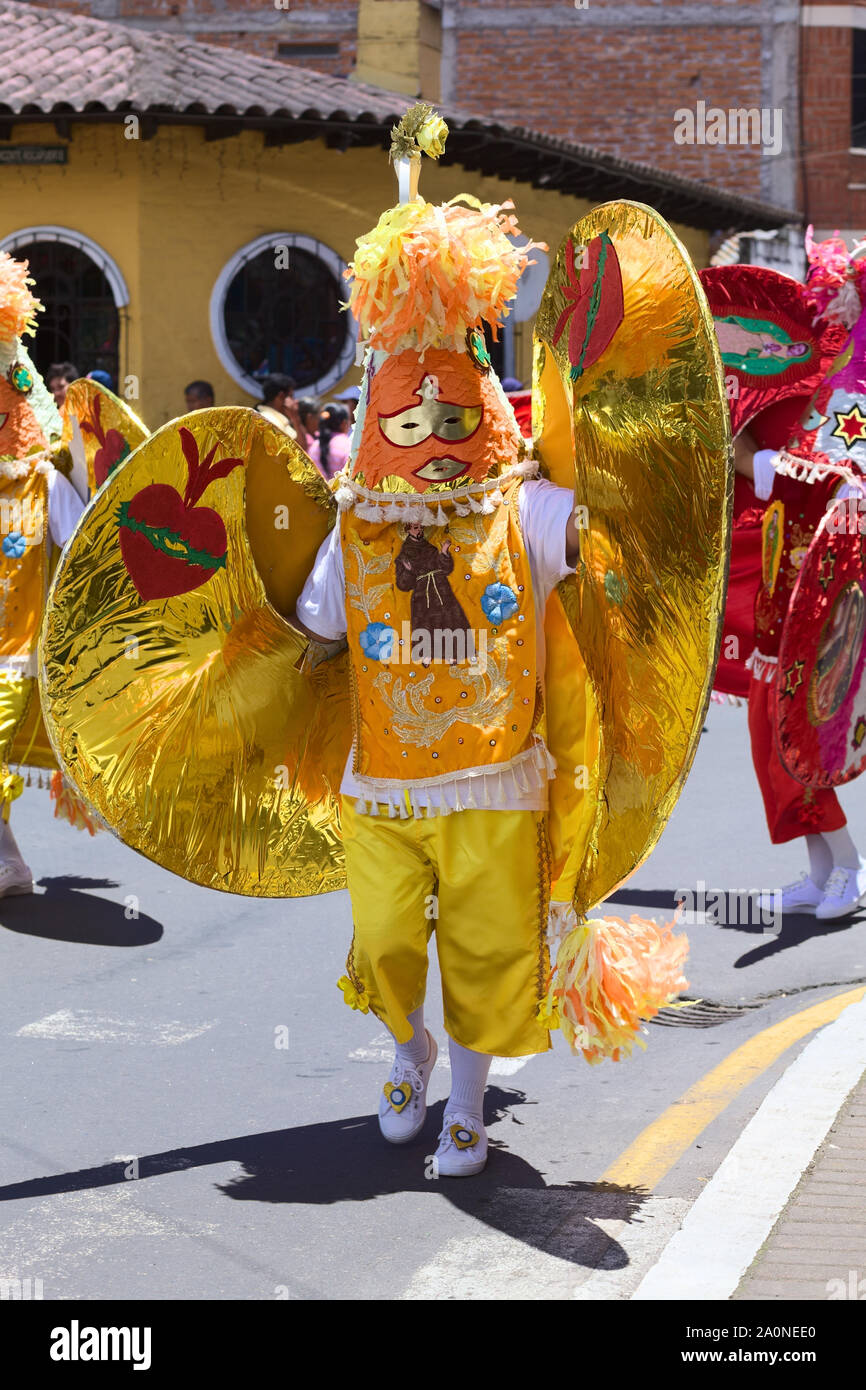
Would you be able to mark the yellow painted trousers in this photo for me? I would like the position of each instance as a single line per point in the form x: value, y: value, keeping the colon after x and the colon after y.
x: 479, y: 879
x: 17, y: 694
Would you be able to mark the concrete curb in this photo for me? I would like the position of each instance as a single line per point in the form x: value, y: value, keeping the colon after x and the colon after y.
x: 732, y: 1217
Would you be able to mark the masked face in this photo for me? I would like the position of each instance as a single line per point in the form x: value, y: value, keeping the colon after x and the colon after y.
x: 436, y: 422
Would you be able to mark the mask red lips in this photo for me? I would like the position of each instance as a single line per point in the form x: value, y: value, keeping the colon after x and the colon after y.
x: 441, y: 470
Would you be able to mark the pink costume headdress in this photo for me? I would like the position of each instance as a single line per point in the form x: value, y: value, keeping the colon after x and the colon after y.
x: 835, y: 280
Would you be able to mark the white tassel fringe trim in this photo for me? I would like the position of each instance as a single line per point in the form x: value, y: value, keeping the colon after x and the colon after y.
x: 763, y: 668
x: 530, y: 771
x: 483, y: 497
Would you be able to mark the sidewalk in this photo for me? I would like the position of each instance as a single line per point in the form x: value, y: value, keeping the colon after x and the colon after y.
x: 817, y: 1248
x: 784, y: 1215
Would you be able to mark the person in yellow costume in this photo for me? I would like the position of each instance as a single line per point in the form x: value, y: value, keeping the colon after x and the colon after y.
x: 38, y: 509
x: 438, y: 576
x: 495, y: 660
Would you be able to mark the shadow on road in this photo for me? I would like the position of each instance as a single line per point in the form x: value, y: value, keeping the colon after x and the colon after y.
x: 67, y: 912
x: 795, y: 931
x: 736, y: 909
x: 348, y: 1161
x: 728, y: 909
x: 796, y: 928
x: 641, y: 897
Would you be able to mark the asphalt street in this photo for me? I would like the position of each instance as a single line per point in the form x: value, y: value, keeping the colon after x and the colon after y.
x: 189, y: 1108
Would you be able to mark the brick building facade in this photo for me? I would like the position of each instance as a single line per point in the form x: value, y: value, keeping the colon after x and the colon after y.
x: 613, y: 74
x: 832, y: 172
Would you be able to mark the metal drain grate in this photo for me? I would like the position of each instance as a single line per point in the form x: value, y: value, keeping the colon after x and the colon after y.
x: 704, y: 1014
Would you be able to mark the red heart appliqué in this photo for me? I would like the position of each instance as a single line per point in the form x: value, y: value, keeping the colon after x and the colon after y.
x: 113, y: 447
x: 169, y: 545
x: 114, y: 450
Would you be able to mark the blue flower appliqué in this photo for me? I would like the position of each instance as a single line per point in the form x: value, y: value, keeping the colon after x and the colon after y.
x: 377, y: 641
x: 14, y: 545
x: 498, y: 603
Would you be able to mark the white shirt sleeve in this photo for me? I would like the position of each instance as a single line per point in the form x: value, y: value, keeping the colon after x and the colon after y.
x: 322, y: 604
x: 764, y: 473
x: 544, y: 513
x: 64, y: 508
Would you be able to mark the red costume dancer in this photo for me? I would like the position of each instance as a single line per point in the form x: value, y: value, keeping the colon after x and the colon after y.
x: 794, y: 511
x: 797, y: 494
x: 774, y: 358
x: 738, y: 639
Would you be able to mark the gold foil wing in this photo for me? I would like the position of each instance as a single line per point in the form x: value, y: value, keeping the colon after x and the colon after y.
x: 99, y: 433
x: 629, y: 410
x: 176, y: 697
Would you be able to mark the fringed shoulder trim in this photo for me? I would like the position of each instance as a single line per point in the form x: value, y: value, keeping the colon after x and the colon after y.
x: 763, y: 668
x: 482, y: 497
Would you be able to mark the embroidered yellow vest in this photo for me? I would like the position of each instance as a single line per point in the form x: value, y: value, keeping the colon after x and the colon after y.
x: 441, y: 633
x: 24, y: 544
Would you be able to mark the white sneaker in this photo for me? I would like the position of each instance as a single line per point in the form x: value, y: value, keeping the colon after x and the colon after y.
x: 844, y: 892
x: 403, y: 1104
x: 15, y: 877
x: 803, y: 896
x: 462, y: 1150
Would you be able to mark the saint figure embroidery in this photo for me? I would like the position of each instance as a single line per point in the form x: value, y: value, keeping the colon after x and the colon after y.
x: 422, y: 570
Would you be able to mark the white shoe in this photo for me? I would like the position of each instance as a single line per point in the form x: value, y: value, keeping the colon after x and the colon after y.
x: 804, y: 896
x: 844, y: 892
x: 15, y: 877
x: 462, y: 1150
x: 403, y: 1104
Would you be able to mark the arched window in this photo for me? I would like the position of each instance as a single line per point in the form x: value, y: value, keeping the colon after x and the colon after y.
x: 81, y: 288
x: 276, y: 308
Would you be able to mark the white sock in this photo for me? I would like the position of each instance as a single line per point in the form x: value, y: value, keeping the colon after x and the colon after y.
x: 820, y: 859
x: 842, y: 848
x: 417, y: 1049
x: 8, y: 844
x: 468, y: 1081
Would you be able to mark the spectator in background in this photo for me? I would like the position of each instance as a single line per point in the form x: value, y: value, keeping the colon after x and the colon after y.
x: 198, y: 395
x: 350, y: 398
x: 331, y: 450
x: 278, y: 405
x: 103, y: 378
x: 308, y: 411
x: 59, y: 378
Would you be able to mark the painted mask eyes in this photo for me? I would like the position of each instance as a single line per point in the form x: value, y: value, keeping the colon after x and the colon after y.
x: 443, y: 420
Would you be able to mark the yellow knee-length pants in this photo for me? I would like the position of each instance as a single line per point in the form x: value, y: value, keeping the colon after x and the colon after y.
x: 16, y: 696
x: 480, y: 880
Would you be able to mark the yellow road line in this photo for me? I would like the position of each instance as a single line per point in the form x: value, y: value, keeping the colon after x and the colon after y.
x: 657, y: 1148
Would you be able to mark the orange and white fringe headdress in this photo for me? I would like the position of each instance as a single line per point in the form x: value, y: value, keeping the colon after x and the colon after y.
x: 18, y: 309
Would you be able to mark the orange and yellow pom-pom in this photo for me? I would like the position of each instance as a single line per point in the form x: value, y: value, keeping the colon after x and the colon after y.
x: 18, y: 305
x: 425, y: 274
x: 69, y: 806
x: 609, y: 977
